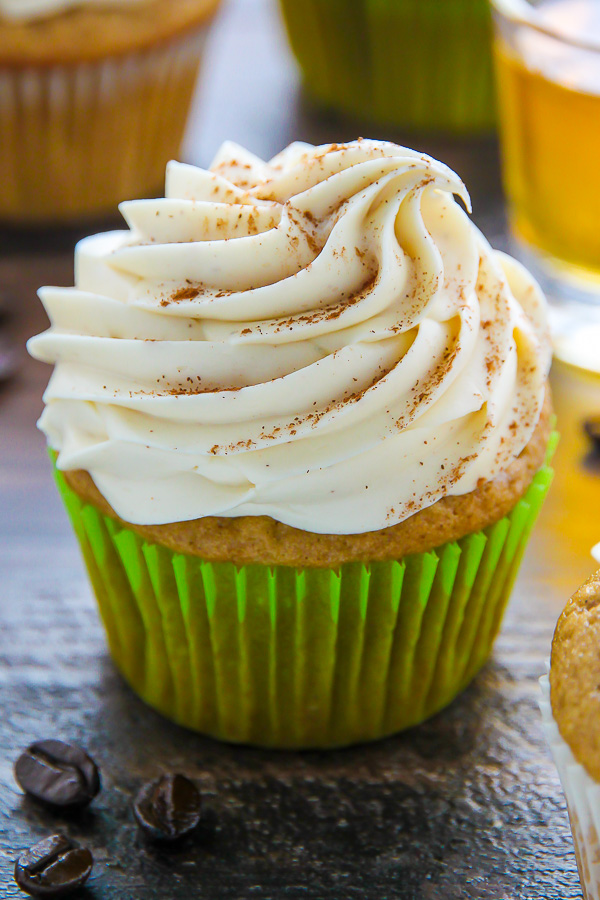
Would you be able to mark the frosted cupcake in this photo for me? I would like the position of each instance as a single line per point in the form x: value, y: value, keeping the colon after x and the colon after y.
x: 571, y: 712
x: 95, y: 98
x: 300, y: 421
x: 423, y: 64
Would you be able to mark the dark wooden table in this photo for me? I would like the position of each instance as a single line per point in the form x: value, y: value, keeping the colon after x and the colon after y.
x: 465, y: 806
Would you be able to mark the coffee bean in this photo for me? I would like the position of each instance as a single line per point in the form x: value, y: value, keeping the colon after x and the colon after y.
x: 53, y: 868
x: 592, y: 429
x: 168, y: 808
x: 61, y: 775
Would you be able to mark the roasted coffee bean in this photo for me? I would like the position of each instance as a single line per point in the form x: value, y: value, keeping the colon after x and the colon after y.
x: 169, y: 808
x: 58, y: 774
x: 592, y: 429
x: 53, y: 868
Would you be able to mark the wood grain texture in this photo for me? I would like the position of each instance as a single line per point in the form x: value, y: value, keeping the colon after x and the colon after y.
x: 465, y: 806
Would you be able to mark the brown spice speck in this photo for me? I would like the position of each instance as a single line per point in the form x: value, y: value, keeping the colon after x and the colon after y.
x: 187, y: 293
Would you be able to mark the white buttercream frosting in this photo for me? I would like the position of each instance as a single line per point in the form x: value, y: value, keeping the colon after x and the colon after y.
x: 23, y: 10
x: 325, y: 339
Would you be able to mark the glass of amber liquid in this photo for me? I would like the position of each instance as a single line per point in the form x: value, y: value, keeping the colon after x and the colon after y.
x: 547, y: 56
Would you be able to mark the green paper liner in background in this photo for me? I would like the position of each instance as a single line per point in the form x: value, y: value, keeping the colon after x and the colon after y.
x: 285, y: 657
x: 422, y: 64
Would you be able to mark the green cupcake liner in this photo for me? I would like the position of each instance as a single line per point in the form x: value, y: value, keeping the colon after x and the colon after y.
x: 285, y: 657
x: 422, y: 64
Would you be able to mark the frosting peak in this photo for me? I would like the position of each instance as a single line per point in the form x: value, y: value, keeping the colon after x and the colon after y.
x: 324, y: 338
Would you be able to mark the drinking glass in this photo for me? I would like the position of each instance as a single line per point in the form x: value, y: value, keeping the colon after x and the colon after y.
x: 547, y: 57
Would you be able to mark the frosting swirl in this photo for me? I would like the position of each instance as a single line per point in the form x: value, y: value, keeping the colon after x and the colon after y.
x: 325, y: 339
x: 22, y: 10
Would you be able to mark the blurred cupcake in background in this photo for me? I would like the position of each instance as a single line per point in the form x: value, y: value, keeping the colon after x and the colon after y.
x: 422, y: 64
x: 94, y: 99
x: 571, y: 713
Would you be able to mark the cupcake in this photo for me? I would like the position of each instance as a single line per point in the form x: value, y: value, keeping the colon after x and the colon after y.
x: 571, y: 713
x: 300, y: 420
x: 423, y: 64
x: 95, y: 97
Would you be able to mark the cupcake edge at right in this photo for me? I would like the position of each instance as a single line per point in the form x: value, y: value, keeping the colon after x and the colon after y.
x: 570, y: 709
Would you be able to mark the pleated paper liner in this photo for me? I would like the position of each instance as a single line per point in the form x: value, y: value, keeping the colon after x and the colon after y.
x: 78, y: 139
x: 281, y: 657
x: 423, y: 64
x: 583, y: 800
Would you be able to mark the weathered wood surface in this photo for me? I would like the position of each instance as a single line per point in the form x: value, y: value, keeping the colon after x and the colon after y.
x: 466, y: 806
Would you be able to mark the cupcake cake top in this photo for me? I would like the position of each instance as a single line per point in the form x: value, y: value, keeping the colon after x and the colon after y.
x: 324, y: 338
x: 23, y: 10
x: 575, y: 675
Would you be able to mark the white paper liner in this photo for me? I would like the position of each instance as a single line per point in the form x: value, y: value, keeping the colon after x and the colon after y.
x: 583, y: 799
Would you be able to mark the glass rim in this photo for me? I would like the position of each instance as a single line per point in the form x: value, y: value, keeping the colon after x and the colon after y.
x: 522, y: 12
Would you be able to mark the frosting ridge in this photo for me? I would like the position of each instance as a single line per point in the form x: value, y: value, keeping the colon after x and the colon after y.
x: 324, y: 338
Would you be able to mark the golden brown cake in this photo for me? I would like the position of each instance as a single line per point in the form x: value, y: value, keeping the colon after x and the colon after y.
x: 89, y: 33
x: 260, y: 539
x: 571, y: 715
x: 575, y: 675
